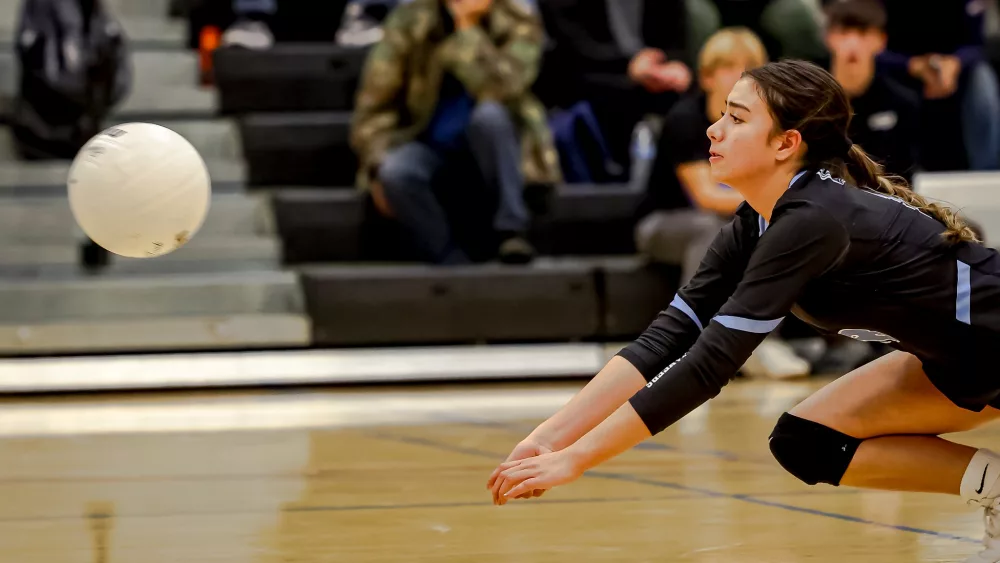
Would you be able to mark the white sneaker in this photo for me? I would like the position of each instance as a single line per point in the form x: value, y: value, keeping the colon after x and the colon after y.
x: 775, y: 359
x: 249, y: 34
x: 991, y: 540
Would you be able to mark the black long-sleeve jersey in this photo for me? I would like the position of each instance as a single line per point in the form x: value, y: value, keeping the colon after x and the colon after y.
x: 845, y: 260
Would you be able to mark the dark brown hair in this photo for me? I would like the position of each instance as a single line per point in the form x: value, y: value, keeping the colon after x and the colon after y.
x: 804, y: 97
x: 861, y: 15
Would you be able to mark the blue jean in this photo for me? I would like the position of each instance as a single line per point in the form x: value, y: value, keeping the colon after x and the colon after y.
x: 420, y: 182
x: 981, y: 117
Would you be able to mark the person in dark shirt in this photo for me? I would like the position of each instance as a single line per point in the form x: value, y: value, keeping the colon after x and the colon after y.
x: 939, y: 51
x: 886, y: 115
x: 827, y: 237
x: 627, y: 58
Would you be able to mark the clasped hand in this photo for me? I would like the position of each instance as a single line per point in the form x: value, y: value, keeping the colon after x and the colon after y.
x: 530, y: 470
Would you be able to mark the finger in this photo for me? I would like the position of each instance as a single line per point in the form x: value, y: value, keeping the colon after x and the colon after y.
x: 496, y: 492
x: 509, y: 464
x: 493, y: 477
x: 532, y: 494
x: 525, y: 486
x: 498, y: 487
x: 514, y: 479
x: 508, y: 484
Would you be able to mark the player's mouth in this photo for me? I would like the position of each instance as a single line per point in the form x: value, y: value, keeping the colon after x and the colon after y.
x: 714, y: 156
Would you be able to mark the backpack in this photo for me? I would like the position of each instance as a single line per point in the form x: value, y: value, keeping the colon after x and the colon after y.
x: 583, y: 152
x: 74, y: 68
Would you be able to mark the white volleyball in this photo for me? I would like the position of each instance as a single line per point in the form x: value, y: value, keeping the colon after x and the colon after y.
x: 139, y: 190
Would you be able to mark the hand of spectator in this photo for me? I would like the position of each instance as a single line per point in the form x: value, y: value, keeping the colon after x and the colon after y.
x: 651, y: 69
x: 948, y: 68
x: 673, y: 76
x: 644, y: 64
x: 917, y: 66
x: 467, y: 13
x: 939, y: 74
x: 379, y: 199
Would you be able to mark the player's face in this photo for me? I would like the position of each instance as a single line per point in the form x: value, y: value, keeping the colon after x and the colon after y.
x: 741, y: 139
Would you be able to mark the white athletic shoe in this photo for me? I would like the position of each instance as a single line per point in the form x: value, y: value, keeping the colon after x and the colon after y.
x: 991, y: 540
x: 775, y: 359
x: 981, y: 487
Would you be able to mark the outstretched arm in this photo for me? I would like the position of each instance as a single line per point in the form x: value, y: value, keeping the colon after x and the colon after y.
x: 805, y: 245
x: 667, y: 338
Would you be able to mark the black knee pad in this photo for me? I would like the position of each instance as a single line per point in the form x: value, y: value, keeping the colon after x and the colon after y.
x: 810, y: 451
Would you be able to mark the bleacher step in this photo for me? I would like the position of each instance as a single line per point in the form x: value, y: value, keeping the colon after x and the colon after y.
x: 39, y: 219
x: 215, y: 139
x: 20, y: 176
x: 144, y: 297
x: 209, y: 332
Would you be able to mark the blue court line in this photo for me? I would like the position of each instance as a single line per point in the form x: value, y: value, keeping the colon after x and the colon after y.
x: 369, y: 507
x: 626, y: 477
x: 472, y: 504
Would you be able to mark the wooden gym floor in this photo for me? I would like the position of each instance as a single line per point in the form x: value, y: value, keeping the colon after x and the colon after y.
x: 397, y: 474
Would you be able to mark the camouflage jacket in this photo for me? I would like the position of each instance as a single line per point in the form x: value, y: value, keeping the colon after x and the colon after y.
x: 403, y: 74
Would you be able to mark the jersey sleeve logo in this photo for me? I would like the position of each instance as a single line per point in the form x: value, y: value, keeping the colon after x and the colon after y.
x: 865, y: 335
x: 665, y: 370
x: 824, y: 174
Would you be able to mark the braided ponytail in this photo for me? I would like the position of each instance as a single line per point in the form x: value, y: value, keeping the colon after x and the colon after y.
x: 867, y: 173
x: 803, y: 96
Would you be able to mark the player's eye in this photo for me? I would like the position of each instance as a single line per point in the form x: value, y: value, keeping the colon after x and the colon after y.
x: 735, y: 119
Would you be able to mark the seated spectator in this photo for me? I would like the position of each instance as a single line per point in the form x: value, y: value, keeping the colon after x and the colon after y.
x: 886, y: 115
x: 684, y: 209
x: 444, y: 116
x: 788, y: 28
x: 627, y: 58
x: 938, y: 51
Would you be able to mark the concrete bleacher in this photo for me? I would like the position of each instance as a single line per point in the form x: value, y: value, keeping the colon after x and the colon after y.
x: 336, y: 225
x: 288, y: 78
x: 299, y: 149
x: 226, y: 289
x: 163, y: 312
x: 42, y: 239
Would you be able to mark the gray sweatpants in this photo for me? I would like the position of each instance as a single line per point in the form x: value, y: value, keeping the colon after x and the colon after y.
x: 680, y: 236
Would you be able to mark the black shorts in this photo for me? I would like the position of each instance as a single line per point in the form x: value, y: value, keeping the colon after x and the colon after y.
x: 972, y: 387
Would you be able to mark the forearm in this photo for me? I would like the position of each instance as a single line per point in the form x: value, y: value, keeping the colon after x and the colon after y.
x: 604, y: 394
x: 620, y: 432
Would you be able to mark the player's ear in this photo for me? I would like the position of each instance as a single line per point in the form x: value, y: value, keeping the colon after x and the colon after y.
x: 787, y: 144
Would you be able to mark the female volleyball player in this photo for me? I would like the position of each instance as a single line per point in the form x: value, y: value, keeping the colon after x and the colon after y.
x: 875, y: 262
